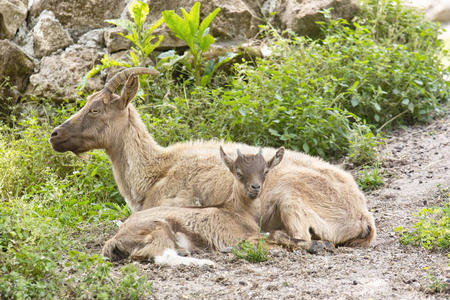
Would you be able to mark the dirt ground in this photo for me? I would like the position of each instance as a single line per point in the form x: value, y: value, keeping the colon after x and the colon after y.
x: 416, y: 160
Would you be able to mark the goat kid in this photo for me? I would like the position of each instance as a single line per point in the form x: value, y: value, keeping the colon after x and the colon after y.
x: 161, y: 233
x: 307, y: 197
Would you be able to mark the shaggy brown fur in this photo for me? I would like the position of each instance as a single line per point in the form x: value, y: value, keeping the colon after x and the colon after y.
x: 148, y: 233
x: 307, y: 197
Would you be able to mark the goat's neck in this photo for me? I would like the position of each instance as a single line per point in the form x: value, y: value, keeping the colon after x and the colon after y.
x: 240, y: 203
x: 134, y: 156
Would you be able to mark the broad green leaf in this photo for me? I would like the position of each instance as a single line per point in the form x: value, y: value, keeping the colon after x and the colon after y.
x: 405, y: 101
x: 411, y: 107
x: 193, y: 18
x: 273, y: 132
x: 205, y: 23
x: 377, y: 106
x: 354, y: 102
x: 306, y: 147
x: 205, y: 42
x: 139, y: 11
x: 179, y: 27
x: 123, y: 23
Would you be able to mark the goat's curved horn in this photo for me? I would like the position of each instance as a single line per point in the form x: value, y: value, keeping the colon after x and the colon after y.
x: 239, y: 153
x: 112, y: 84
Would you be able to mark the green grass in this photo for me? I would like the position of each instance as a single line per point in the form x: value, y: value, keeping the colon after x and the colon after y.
x: 48, y: 202
x: 369, y: 178
x: 252, y: 253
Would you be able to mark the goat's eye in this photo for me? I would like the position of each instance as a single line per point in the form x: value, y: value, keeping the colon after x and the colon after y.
x: 266, y: 172
x: 239, y: 175
x: 94, y: 111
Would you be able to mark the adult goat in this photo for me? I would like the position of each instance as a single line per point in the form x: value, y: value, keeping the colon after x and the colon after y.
x: 306, y: 196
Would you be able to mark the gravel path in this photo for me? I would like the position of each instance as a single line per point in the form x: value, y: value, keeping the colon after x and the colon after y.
x: 416, y: 160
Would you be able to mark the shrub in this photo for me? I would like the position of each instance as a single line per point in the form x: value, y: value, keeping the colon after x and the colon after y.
x: 386, y: 66
x: 431, y: 231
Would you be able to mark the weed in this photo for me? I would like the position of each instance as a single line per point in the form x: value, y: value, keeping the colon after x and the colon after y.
x: 252, y: 253
x: 437, y: 285
x: 196, y: 35
x: 432, y: 231
x: 370, y: 178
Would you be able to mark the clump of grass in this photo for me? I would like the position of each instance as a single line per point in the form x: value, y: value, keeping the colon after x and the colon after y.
x: 370, y: 178
x: 252, y: 253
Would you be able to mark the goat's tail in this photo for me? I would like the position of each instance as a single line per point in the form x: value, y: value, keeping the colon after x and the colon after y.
x: 114, y: 250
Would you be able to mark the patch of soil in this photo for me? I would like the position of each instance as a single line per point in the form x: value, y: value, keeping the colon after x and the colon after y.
x: 416, y: 160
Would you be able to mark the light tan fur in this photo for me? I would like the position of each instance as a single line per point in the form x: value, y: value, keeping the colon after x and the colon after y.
x: 148, y: 233
x: 307, y: 197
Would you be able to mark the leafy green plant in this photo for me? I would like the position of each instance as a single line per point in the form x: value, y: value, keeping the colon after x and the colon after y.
x: 437, y: 285
x: 142, y: 38
x: 48, y: 203
x: 432, y: 231
x: 389, y: 66
x: 363, y: 144
x: 196, y: 36
x: 252, y: 253
x: 370, y: 178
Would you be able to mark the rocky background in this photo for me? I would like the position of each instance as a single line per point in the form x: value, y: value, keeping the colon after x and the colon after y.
x: 47, y: 46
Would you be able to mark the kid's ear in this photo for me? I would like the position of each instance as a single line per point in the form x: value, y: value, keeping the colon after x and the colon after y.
x: 278, y: 157
x: 226, y: 159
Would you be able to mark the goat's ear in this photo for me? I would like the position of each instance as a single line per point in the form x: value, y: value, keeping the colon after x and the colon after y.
x: 129, y: 90
x: 276, y: 159
x: 226, y: 159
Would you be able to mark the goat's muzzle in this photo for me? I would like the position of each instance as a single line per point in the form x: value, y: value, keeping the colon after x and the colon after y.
x: 253, y: 191
x: 60, y: 141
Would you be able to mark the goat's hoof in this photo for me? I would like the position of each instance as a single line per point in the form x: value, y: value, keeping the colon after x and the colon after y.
x: 319, y: 246
x: 226, y: 250
x: 183, y: 252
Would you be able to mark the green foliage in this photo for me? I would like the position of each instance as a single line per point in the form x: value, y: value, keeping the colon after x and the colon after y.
x: 252, y: 253
x: 46, y: 201
x: 384, y: 67
x: 437, y: 285
x: 142, y: 38
x: 34, y: 261
x: 196, y: 36
x: 370, y: 178
x: 432, y: 231
x: 363, y: 144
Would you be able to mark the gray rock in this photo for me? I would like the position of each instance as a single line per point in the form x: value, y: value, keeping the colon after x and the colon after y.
x: 12, y: 15
x: 114, y: 42
x: 15, y: 65
x: 301, y: 16
x: 61, y: 73
x: 93, y: 39
x: 49, y: 35
x: 80, y: 16
x: 439, y: 11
